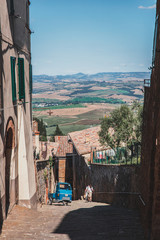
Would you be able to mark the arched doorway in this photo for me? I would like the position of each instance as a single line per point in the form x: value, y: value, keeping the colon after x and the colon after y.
x: 9, y: 155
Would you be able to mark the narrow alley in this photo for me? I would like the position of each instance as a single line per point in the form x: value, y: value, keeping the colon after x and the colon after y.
x: 78, y: 221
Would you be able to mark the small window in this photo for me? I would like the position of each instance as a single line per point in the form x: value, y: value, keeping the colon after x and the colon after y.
x: 62, y: 186
x: 11, y: 7
x: 30, y: 78
x: 13, y: 78
x: 65, y: 186
x: 155, y: 41
x: 21, y: 78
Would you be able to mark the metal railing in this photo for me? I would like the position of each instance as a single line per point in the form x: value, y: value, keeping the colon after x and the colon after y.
x: 123, y: 156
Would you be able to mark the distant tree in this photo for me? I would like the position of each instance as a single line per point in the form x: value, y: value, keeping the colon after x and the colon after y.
x: 124, y: 125
x: 57, y: 132
x: 138, y: 121
x: 117, y: 128
x: 136, y: 105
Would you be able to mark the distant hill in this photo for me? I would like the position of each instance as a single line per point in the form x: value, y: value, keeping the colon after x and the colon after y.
x: 106, y: 76
x: 112, y: 87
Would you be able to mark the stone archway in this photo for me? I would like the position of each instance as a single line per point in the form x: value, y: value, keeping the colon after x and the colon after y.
x: 10, y: 167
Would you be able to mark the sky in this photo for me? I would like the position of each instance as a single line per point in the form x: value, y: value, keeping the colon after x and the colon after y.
x: 91, y: 36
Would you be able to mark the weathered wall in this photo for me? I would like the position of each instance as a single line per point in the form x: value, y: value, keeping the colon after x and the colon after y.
x: 69, y: 170
x: 81, y: 176
x: 106, y: 179
x: 17, y: 164
x: 41, y: 169
x: 45, y: 178
x: 116, y: 184
x: 62, y: 169
x: 150, y: 171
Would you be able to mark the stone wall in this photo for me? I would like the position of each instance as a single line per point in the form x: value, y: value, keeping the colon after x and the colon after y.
x: 112, y: 184
x: 45, y: 180
x: 115, y: 184
x: 41, y: 168
x: 81, y: 176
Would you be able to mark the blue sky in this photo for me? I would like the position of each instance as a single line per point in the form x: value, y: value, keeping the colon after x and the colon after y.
x: 91, y: 36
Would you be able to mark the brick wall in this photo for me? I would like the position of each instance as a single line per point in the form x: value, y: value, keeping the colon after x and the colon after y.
x: 117, y: 185
x: 45, y: 177
x: 62, y: 169
x: 150, y: 171
x: 112, y: 183
x: 63, y: 149
x: 81, y: 176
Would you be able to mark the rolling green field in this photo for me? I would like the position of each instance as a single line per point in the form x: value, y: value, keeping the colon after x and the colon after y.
x: 77, y: 91
x: 77, y: 123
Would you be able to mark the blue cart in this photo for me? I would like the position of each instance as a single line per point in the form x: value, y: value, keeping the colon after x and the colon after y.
x: 62, y: 194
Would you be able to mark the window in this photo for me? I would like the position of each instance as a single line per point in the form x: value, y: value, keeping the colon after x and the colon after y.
x: 65, y: 186
x: 30, y: 78
x: 155, y: 41
x: 13, y: 78
x: 11, y: 7
x: 21, y: 78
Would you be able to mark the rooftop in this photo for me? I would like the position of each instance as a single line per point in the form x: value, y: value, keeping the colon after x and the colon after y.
x: 64, y: 146
x: 86, y: 140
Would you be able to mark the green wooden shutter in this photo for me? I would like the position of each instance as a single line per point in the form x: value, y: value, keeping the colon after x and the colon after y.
x: 21, y: 78
x: 13, y: 78
x: 30, y: 78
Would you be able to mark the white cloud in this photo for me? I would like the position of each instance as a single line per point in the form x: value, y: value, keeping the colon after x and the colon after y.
x: 149, y: 7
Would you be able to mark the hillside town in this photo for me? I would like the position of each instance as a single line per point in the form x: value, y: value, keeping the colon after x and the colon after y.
x: 86, y: 184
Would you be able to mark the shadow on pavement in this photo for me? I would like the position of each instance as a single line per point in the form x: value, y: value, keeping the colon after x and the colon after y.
x: 101, y: 222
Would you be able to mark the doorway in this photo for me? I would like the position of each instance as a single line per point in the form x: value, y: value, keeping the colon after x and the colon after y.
x: 10, y: 167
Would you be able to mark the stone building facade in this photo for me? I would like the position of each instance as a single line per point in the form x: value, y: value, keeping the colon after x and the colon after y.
x: 53, y: 164
x: 65, y: 149
x: 17, y: 176
x: 150, y: 166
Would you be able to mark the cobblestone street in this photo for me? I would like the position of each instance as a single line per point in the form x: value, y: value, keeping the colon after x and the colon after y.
x: 78, y: 221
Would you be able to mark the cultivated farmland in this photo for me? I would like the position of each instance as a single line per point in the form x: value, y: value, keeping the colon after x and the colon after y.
x: 79, y: 101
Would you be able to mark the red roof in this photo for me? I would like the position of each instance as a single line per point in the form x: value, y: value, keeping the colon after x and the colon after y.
x: 86, y: 140
x: 64, y: 146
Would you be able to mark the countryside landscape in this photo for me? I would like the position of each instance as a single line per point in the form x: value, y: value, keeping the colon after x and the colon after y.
x: 80, y: 101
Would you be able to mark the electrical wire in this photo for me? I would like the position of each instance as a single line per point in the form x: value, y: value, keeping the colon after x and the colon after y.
x: 15, y: 105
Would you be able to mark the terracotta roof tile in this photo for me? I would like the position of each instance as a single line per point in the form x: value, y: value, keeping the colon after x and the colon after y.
x: 64, y: 146
x: 86, y: 139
